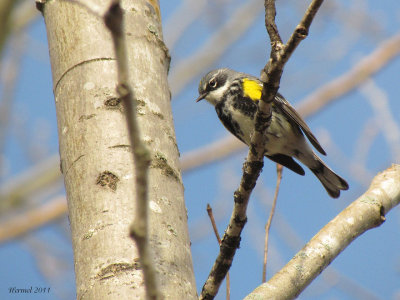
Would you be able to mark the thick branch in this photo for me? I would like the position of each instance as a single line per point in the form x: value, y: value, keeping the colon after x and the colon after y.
x: 365, y: 213
x: 139, y: 228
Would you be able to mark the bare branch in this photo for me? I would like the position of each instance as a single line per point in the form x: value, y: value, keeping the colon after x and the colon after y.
x: 365, y: 213
x: 279, y: 169
x: 252, y: 166
x: 139, y: 227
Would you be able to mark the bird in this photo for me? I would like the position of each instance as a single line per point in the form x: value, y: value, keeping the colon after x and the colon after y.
x: 236, y: 95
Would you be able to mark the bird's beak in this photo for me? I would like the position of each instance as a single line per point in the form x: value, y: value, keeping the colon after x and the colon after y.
x: 202, y: 96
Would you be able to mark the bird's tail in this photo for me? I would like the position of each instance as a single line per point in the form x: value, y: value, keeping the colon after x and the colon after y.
x: 332, y: 182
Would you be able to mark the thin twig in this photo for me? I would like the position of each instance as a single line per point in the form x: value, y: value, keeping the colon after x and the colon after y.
x: 214, y: 226
x: 254, y: 161
x: 139, y: 227
x: 367, y: 212
x: 279, y: 169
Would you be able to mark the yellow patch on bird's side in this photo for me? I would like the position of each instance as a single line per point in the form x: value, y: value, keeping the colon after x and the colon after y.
x: 252, y: 89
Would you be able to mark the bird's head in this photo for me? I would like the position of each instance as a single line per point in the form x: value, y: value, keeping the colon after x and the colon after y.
x: 214, y: 84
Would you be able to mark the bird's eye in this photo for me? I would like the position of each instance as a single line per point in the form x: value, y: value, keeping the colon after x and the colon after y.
x: 212, y: 83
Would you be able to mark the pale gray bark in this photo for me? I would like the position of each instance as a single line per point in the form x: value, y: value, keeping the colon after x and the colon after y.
x: 367, y: 212
x: 95, y: 151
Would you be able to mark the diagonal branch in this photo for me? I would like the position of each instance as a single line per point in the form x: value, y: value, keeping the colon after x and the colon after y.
x: 254, y: 162
x: 365, y: 213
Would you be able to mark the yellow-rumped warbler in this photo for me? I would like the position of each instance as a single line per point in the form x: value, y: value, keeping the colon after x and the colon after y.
x: 235, y: 97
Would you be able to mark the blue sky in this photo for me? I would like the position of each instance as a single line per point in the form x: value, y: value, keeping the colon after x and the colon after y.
x: 342, y: 34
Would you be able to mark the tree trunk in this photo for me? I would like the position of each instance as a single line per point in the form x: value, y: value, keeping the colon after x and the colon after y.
x: 96, y: 157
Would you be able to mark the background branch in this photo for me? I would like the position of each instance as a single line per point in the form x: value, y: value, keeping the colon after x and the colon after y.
x: 33, y: 219
x: 343, y: 84
x: 187, y: 69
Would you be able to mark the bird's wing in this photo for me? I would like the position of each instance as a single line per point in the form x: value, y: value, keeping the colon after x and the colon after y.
x: 293, y: 115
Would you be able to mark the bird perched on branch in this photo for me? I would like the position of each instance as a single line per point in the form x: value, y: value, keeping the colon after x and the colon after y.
x: 235, y: 97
